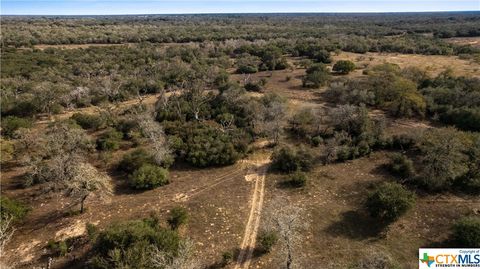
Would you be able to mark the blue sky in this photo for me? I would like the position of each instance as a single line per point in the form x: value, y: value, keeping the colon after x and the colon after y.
x: 102, y: 7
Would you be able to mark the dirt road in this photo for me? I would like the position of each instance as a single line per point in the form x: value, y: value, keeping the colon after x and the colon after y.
x: 259, y: 170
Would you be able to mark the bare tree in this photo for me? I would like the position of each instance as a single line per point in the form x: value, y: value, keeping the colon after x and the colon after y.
x: 270, y: 120
x: 196, y: 97
x: 274, y: 118
x: 157, y: 138
x: 183, y: 260
x: 86, y: 180
x: 288, y: 220
x: 6, y: 231
x: 77, y: 95
x: 109, y: 87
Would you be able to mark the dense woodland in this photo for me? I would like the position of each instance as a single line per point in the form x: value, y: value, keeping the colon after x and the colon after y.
x: 203, y: 118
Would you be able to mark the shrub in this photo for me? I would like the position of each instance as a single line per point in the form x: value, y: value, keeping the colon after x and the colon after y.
x: 266, y: 240
x: 255, y: 86
x: 227, y: 258
x: 134, y: 160
x: 443, y: 159
x: 403, y: 141
x: 389, y: 201
x: 376, y: 260
x: 343, y: 67
x: 302, y: 123
x: 400, y: 165
x: 178, y: 216
x: 316, y: 76
x: 469, y: 183
x: 408, y: 104
x: 204, y: 145
x: 322, y: 56
x: 110, y: 140
x: 466, y: 232
x: 10, y: 124
x: 317, y: 140
x: 92, y: 231
x: 128, y: 127
x: 297, y: 179
x: 88, y: 121
x: 12, y: 209
x: 286, y: 159
x: 247, y: 69
x: 7, y: 150
x: 131, y: 244
x: 148, y: 177
x: 59, y: 248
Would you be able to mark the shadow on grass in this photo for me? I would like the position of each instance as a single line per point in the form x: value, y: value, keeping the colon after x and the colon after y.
x: 357, y: 225
x: 288, y: 184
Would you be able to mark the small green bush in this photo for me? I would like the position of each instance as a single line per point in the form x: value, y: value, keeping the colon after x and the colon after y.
x: 286, y: 159
x: 59, y: 248
x: 127, y: 127
x: 110, y: 140
x: 13, y: 209
x: 130, y: 244
x: 403, y: 141
x: 400, y: 165
x: 227, y: 258
x: 254, y: 86
x: 343, y: 67
x: 134, y: 160
x: 266, y: 240
x: 11, y: 124
x: 92, y: 231
x: 317, y: 140
x: 297, y: 180
x: 88, y: 121
x: 316, y: 76
x: 178, y: 217
x: 389, y: 201
x: 322, y: 56
x: 148, y: 177
x: 466, y: 232
x: 247, y: 69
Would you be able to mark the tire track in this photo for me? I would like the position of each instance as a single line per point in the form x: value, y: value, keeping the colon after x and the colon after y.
x: 250, y: 236
x: 225, y: 177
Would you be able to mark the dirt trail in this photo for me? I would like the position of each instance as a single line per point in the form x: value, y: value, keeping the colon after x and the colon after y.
x: 248, y: 244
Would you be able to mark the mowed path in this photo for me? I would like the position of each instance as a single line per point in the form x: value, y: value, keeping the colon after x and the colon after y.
x: 249, y: 238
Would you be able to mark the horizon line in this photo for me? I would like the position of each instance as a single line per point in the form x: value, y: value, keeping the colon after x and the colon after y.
x: 227, y: 13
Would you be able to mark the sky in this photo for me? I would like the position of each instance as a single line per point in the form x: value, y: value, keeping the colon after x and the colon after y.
x: 109, y: 7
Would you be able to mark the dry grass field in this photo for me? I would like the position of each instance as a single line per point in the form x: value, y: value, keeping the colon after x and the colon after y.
x: 472, y: 41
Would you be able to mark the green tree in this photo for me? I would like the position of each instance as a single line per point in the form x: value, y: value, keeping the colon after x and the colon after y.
x: 343, y: 67
x: 442, y: 159
x: 389, y: 201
